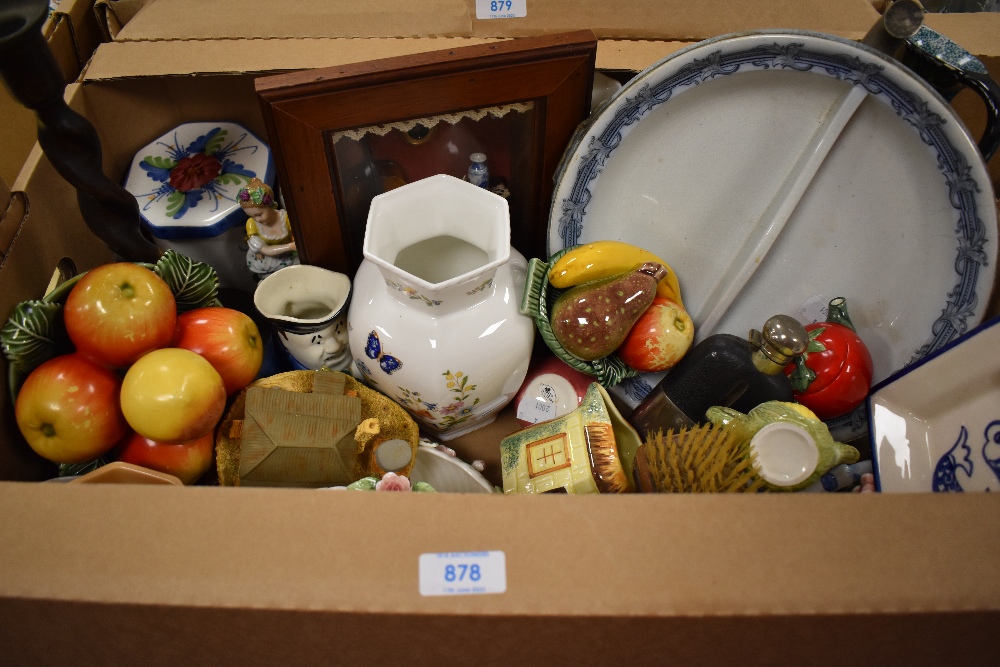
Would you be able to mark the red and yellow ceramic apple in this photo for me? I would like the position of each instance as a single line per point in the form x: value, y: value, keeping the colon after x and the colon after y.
x: 659, y: 338
x: 68, y: 409
x: 172, y: 395
x: 227, y: 338
x: 187, y: 461
x: 118, y: 312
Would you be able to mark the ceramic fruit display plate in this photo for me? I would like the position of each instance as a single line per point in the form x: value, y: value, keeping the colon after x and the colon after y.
x: 775, y: 171
x: 936, y: 425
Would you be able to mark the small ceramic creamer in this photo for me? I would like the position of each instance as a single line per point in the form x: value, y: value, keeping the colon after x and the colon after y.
x: 434, y: 322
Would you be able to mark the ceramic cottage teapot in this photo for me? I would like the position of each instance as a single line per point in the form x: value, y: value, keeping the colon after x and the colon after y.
x: 434, y: 321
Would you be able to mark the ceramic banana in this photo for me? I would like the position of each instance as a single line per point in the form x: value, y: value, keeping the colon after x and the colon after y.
x: 602, y: 259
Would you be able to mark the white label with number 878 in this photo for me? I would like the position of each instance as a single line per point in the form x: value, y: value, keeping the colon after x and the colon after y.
x: 463, y: 573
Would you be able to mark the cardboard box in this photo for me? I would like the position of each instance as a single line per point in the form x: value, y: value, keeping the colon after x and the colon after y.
x: 72, y: 33
x: 156, y: 575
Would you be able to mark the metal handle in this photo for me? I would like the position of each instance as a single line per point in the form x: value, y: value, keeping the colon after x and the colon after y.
x: 68, y: 139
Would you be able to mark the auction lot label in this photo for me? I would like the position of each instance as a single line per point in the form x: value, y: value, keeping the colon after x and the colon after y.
x: 463, y: 573
x: 501, y: 9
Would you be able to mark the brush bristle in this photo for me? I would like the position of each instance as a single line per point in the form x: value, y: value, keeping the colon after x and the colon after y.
x: 604, y: 460
x: 702, y: 459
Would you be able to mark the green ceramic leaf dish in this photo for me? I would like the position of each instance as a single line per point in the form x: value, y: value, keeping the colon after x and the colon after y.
x: 34, y: 332
x: 535, y: 302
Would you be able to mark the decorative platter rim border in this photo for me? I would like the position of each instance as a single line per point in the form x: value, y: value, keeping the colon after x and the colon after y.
x: 801, y: 51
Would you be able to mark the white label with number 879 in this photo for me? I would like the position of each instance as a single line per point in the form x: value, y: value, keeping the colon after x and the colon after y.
x: 501, y: 9
x: 463, y: 573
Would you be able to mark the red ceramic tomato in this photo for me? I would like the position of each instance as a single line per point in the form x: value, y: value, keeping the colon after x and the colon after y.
x: 834, y: 375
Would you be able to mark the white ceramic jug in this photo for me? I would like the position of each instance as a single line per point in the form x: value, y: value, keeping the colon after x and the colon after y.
x: 434, y: 321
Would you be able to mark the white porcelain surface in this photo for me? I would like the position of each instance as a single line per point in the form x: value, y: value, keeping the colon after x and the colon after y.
x: 786, y: 453
x: 776, y: 171
x: 447, y: 473
x: 936, y: 425
x: 454, y: 351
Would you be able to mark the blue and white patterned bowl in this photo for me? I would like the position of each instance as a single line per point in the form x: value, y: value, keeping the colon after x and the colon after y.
x: 775, y: 170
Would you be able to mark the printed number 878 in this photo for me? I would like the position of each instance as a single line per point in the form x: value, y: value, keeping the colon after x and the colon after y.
x: 459, y: 572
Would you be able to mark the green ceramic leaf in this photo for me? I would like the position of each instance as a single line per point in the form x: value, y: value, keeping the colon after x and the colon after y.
x: 31, y: 334
x: 234, y: 179
x: 159, y: 162
x: 215, y: 143
x: 71, y: 469
x: 363, y: 484
x: 194, y: 284
x: 423, y: 487
x: 175, y: 200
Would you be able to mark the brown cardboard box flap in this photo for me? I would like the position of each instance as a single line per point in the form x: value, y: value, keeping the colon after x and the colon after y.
x: 671, y: 20
x: 112, y: 15
x: 631, y: 555
x: 176, y: 19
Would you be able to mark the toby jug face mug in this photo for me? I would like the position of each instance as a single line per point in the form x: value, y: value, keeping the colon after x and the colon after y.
x: 308, y: 306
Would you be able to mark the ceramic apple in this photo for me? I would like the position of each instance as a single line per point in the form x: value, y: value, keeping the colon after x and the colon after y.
x: 172, y: 395
x: 118, y: 312
x: 227, y: 338
x: 187, y: 461
x: 67, y: 409
x: 659, y: 338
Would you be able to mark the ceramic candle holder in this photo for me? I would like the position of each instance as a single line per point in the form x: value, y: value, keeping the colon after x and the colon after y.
x: 308, y: 307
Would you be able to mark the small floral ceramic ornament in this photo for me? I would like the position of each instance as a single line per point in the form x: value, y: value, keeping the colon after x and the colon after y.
x: 790, y: 445
x: 389, y: 482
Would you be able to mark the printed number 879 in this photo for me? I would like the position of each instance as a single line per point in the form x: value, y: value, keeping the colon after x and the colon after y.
x: 501, y: 5
x: 459, y: 572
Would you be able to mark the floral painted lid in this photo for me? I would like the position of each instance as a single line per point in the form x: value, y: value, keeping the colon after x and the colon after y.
x: 186, y: 180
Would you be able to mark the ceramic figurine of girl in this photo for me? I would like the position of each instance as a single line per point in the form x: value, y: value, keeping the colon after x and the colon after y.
x: 269, y: 234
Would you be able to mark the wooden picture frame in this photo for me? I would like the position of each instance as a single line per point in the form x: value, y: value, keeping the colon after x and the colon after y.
x: 534, y: 92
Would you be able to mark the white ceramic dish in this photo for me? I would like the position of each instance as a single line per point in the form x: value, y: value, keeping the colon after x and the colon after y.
x: 775, y: 171
x: 936, y: 425
x: 447, y: 473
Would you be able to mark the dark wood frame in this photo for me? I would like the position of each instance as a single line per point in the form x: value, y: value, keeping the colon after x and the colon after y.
x: 302, y: 109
